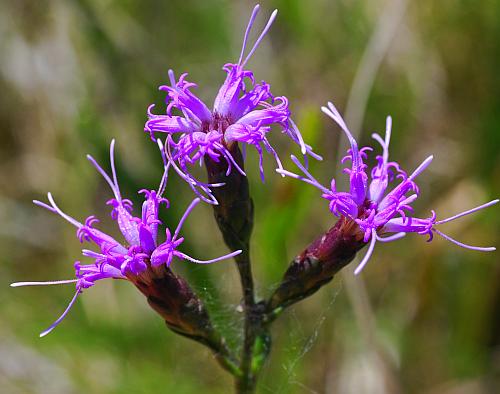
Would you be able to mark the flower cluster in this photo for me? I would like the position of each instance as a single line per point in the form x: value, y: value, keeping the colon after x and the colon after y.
x: 243, y: 112
x: 140, y: 251
x: 377, y: 205
x: 377, y: 208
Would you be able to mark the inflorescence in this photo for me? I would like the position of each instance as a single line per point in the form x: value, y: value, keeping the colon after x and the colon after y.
x: 141, y: 250
x: 243, y: 113
x: 376, y: 210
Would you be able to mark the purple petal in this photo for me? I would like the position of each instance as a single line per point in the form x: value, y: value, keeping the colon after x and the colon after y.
x: 407, y: 225
x: 169, y: 124
x: 128, y: 224
x: 358, y: 177
x: 226, y: 102
x: 250, y: 100
x: 184, y: 100
x: 147, y: 240
x: 272, y: 114
x: 405, y: 186
x: 380, y: 175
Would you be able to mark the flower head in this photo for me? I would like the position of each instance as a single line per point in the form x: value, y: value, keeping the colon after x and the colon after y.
x: 382, y: 208
x: 243, y: 112
x: 139, y: 251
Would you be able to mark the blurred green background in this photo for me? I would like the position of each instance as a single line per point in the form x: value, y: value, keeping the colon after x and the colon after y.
x: 422, y: 318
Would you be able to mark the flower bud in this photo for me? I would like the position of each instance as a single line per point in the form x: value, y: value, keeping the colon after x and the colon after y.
x: 317, y: 264
x: 172, y: 298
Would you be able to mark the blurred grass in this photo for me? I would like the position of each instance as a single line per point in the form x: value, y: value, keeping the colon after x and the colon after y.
x: 74, y: 74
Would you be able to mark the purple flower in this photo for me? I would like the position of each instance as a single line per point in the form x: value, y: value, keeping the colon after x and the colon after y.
x: 378, y: 207
x: 243, y: 112
x: 140, y: 250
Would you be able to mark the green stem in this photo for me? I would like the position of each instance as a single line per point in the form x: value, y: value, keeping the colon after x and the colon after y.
x: 223, y: 354
x: 247, y: 381
x: 257, y: 342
